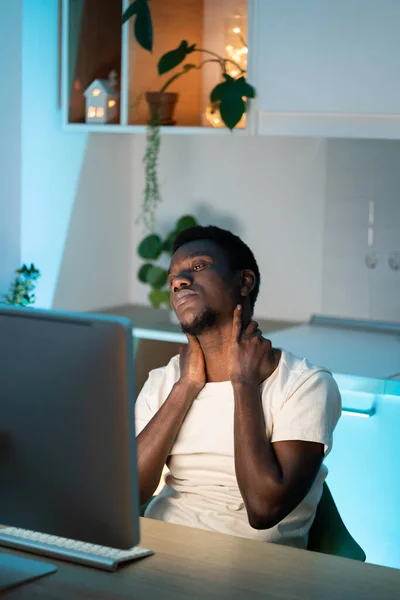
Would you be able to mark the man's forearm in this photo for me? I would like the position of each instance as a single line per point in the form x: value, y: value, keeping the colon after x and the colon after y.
x: 258, y: 472
x: 154, y: 443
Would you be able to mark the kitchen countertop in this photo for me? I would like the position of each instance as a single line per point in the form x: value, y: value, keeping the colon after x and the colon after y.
x: 149, y: 323
x: 347, y: 347
x: 363, y: 355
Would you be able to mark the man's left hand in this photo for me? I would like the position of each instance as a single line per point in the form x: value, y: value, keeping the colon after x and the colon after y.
x: 249, y: 353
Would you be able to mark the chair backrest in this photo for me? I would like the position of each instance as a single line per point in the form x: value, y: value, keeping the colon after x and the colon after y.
x: 328, y: 533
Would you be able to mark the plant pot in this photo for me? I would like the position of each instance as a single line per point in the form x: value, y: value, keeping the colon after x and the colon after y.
x: 162, y: 106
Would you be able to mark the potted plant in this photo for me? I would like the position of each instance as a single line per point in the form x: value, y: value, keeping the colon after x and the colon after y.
x: 21, y: 289
x: 153, y: 248
x: 231, y: 93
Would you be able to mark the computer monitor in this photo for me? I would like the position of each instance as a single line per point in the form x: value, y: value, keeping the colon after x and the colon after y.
x: 67, y: 442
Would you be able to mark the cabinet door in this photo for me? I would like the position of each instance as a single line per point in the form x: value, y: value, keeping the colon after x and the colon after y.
x: 336, y: 57
x: 364, y: 478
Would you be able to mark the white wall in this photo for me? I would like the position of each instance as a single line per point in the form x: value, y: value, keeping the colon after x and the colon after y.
x: 75, y: 188
x: 10, y: 135
x: 270, y: 191
x: 302, y: 205
x: 360, y: 172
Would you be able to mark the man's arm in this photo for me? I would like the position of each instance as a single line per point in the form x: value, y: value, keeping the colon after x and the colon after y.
x: 273, y: 478
x: 155, y: 441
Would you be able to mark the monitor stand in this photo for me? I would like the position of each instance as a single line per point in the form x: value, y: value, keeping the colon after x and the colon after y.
x: 15, y: 570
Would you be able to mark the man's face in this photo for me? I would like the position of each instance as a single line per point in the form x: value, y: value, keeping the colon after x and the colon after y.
x: 203, y: 289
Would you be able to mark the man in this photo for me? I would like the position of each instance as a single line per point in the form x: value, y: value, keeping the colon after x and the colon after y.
x: 242, y: 427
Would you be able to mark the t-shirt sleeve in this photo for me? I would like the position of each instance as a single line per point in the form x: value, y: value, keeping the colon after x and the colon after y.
x: 310, y: 412
x: 143, y: 406
x: 154, y: 392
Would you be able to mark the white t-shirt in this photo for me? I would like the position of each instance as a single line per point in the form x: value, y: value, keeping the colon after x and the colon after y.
x: 300, y: 402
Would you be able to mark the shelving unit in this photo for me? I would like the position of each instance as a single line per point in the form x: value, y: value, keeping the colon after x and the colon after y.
x: 94, y: 43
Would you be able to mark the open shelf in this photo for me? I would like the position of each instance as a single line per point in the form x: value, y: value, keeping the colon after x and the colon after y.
x: 95, y: 44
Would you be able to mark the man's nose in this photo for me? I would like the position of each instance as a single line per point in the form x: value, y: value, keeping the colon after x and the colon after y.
x: 182, y: 280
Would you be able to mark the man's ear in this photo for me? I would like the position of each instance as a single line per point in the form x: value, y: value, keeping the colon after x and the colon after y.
x: 247, y: 282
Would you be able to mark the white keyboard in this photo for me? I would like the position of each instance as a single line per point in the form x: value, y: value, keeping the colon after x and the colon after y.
x: 71, y: 550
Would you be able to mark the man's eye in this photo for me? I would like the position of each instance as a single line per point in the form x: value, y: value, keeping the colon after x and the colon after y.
x: 198, y: 266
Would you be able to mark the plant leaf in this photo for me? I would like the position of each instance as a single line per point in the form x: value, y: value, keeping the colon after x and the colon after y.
x: 143, y: 271
x: 173, y: 58
x: 218, y: 92
x: 150, y: 247
x: 169, y: 242
x: 185, y: 222
x: 157, y: 277
x: 132, y: 10
x: 159, y: 297
x: 143, y: 28
x: 231, y: 110
x: 244, y: 89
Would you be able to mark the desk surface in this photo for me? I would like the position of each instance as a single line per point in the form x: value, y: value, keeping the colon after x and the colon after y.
x: 190, y: 563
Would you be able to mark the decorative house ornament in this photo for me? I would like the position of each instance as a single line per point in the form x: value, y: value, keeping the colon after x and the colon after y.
x: 102, y: 100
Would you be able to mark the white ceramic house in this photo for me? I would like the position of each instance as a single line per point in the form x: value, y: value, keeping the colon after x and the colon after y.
x: 102, y: 100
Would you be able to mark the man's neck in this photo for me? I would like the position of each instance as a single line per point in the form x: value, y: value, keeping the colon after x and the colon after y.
x: 215, y: 346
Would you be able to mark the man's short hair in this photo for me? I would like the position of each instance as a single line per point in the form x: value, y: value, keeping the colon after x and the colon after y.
x: 239, y: 255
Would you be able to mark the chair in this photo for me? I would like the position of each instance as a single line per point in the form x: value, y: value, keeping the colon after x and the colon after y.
x: 328, y: 533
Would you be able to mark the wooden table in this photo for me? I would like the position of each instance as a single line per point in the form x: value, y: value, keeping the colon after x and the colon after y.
x: 193, y: 564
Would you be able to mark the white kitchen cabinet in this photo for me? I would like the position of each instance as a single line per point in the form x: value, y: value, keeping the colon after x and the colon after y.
x: 327, y: 67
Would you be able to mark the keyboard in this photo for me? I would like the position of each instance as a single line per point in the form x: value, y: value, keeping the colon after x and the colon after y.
x: 83, y: 553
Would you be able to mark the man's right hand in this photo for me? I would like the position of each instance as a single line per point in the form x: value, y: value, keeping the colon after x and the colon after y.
x: 193, y: 371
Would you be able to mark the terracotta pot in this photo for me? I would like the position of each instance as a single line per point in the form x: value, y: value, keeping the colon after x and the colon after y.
x: 162, y: 106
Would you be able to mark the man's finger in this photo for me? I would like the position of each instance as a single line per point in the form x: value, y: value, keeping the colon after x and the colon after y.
x: 250, y: 329
x: 193, y: 341
x: 237, y: 323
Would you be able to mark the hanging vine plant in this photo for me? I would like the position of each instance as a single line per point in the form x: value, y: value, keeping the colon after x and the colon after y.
x: 230, y: 96
x: 151, y: 194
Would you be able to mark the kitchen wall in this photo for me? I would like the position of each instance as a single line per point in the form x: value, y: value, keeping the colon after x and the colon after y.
x: 10, y: 132
x: 301, y: 204
x: 362, y: 182
x: 269, y: 191
x: 76, y: 196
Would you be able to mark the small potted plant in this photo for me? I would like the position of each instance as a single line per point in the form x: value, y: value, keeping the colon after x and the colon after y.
x: 21, y: 289
x: 153, y: 248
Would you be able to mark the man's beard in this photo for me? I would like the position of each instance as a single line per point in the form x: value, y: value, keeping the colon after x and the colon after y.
x: 206, y: 319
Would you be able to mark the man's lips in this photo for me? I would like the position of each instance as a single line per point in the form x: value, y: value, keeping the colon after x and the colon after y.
x: 182, y: 297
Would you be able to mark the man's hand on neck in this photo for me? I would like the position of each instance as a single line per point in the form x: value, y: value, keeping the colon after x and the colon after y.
x: 215, y: 344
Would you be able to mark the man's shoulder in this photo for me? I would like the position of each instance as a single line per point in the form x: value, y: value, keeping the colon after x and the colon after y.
x: 164, y: 376
x: 294, y: 371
